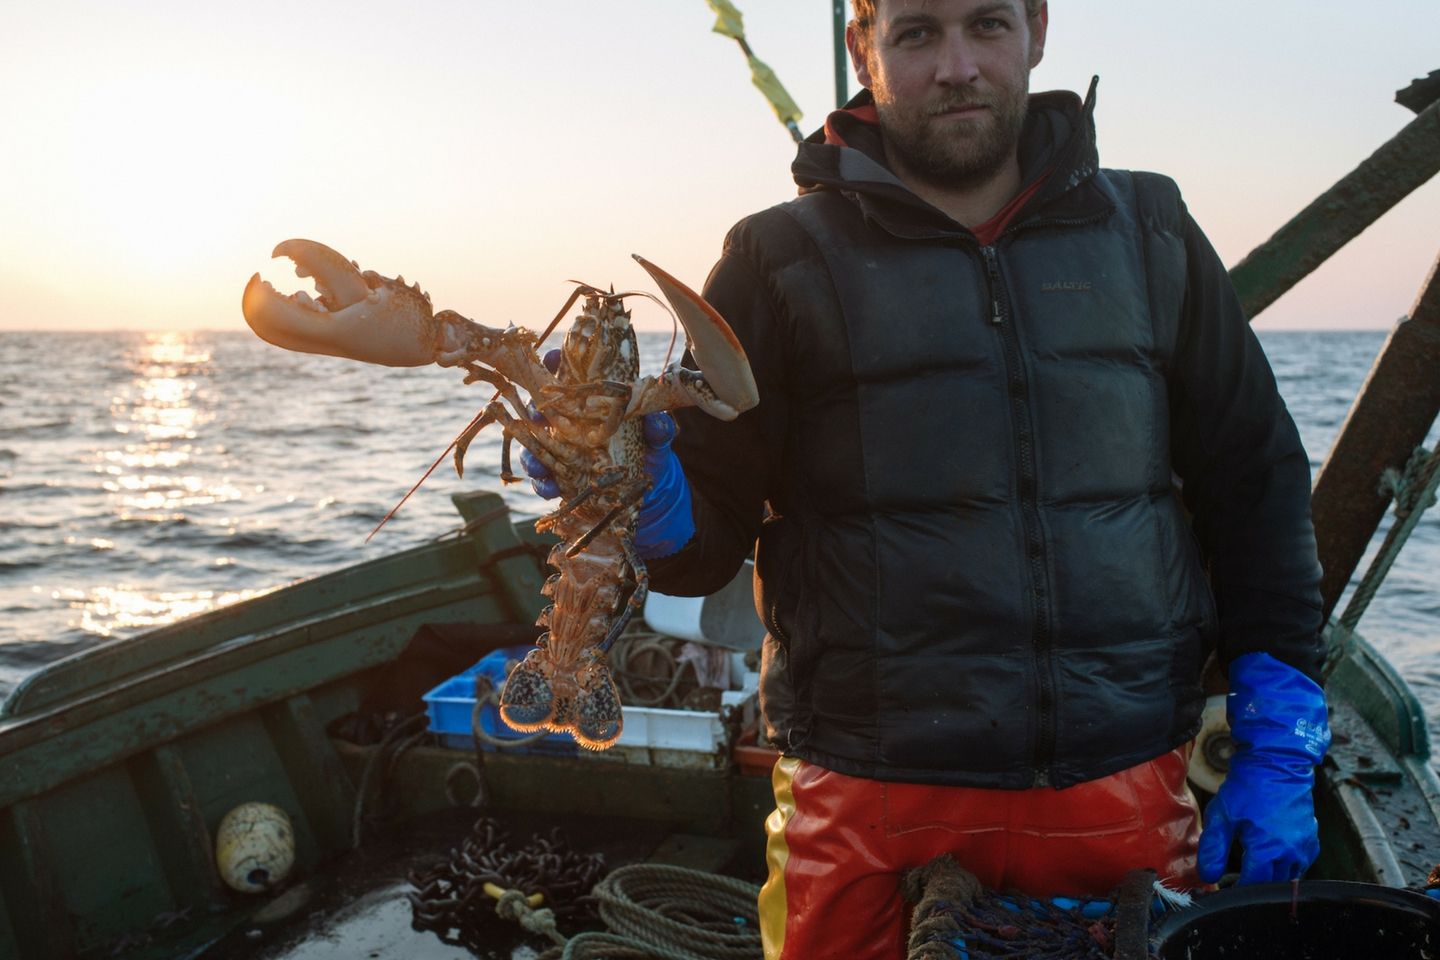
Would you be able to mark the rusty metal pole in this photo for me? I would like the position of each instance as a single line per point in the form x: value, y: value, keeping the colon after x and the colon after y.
x: 1338, y: 215
x: 1391, y: 416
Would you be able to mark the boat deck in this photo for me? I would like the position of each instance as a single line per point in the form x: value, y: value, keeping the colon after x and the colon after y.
x: 358, y: 907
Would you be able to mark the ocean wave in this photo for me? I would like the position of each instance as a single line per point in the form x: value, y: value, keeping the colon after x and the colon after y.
x: 7, y: 526
x: 47, y: 490
x: 254, y: 540
x: 36, y: 653
x: 150, y: 523
x: 14, y: 565
x: 35, y: 429
x: 321, y: 432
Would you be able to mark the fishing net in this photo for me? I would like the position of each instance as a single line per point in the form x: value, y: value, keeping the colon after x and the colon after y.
x: 956, y: 918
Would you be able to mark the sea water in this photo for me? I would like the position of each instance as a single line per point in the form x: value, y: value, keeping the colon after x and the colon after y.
x: 145, y: 477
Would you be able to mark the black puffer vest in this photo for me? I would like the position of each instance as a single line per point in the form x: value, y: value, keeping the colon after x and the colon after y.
x: 979, y: 573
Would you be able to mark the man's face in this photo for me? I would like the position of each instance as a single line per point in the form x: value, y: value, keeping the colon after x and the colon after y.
x: 951, y: 80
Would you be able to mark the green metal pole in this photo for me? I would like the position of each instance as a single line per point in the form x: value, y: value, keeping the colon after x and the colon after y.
x: 1333, y: 219
x: 842, y: 59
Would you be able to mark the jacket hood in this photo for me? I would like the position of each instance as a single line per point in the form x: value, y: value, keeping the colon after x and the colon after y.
x: 1057, y: 144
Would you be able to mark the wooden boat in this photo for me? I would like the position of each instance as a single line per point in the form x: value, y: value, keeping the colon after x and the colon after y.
x: 117, y: 764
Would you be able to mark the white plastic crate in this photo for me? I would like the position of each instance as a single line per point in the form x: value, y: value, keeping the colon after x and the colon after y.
x: 680, y: 738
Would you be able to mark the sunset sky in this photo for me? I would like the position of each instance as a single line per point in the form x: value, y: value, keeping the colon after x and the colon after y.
x: 154, y: 153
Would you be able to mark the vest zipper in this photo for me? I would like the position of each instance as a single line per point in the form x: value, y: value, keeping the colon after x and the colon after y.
x: 1030, y: 516
x: 992, y: 281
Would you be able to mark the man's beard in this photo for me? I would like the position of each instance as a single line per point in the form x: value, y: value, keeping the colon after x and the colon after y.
x: 954, y: 153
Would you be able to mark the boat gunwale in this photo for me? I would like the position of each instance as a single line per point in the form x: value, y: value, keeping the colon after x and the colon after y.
x: 122, y: 659
x: 139, y: 695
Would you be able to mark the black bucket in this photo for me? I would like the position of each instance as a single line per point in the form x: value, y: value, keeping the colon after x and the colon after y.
x: 1332, y: 920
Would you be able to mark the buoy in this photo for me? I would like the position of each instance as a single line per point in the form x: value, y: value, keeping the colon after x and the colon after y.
x: 254, y: 847
x: 1210, y: 760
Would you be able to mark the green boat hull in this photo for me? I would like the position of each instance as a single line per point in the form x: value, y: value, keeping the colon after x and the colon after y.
x: 116, y: 765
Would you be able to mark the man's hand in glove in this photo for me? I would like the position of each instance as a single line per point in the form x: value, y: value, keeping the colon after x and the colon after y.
x: 1279, y: 725
x: 666, y: 523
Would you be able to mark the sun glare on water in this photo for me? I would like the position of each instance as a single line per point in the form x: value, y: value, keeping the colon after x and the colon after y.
x: 108, y: 611
x: 153, y: 475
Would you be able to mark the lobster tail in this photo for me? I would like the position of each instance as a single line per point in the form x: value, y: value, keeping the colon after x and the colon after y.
x: 528, y: 701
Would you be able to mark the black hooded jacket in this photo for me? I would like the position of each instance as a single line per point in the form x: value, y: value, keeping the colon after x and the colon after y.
x: 961, y: 475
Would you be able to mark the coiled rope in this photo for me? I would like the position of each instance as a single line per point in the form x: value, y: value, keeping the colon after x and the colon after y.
x: 646, y: 664
x: 1414, y: 491
x: 661, y: 912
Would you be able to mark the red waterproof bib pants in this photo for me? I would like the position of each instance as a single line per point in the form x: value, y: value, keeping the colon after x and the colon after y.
x: 838, y: 845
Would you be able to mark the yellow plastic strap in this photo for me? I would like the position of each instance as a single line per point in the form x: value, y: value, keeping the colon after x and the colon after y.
x: 764, y: 78
x: 533, y: 901
x: 728, y: 21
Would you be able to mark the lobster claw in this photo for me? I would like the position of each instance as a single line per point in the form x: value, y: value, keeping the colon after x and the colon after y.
x: 718, y: 353
x: 359, y: 316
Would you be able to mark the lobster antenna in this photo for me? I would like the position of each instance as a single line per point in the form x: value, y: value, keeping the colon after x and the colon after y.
x: 426, y: 475
x: 670, y: 350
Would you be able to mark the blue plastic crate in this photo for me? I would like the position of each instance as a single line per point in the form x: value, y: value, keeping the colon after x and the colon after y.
x: 452, y: 704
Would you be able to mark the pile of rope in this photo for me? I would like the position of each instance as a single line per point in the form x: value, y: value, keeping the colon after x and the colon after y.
x: 465, y: 898
x: 649, y: 911
x: 956, y: 917
x: 650, y: 673
x: 660, y: 912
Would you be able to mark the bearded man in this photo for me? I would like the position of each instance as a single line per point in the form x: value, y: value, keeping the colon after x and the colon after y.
x: 983, y: 362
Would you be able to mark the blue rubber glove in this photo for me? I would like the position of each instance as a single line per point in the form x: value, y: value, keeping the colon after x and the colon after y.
x: 1280, y: 728
x: 666, y: 521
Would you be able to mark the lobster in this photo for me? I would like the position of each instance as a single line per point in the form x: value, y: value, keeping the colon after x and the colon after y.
x: 582, y: 421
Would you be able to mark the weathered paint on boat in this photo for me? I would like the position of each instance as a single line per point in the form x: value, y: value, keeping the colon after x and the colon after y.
x: 117, y: 765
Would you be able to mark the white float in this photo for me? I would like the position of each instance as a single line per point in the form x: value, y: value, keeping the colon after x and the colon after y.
x: 255, y: 847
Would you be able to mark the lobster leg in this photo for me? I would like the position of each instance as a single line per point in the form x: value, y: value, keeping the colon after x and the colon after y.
x: 636, y: 603
x: 547, y: 449
x: 462, y: 442
x: 566, y: 508
x: 506, y: 474
x: 503, y: 388
x: 627, y: 499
